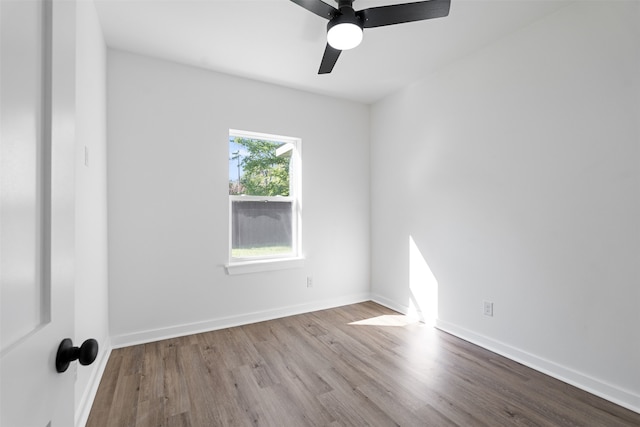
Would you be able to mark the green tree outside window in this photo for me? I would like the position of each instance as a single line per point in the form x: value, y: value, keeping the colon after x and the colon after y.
x: 263, y: 173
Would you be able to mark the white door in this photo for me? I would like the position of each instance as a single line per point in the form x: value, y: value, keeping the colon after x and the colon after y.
x: 37, y: 122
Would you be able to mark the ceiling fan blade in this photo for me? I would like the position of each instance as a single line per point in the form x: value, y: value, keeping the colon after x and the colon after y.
x: 406, y: 12
x: 328, y: 60
x: 318, y: 7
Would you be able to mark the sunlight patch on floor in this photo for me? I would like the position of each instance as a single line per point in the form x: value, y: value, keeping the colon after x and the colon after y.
x: 386, y: 320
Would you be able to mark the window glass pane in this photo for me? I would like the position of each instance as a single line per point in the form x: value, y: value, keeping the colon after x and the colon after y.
x: 258, y: 167
x: 261, y: 228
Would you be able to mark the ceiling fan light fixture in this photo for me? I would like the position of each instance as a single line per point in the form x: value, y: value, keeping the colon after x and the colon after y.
x: 344, y: 30
x: 344, y: 35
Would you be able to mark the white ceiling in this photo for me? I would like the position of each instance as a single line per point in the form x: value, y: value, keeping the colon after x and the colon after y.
x: 279, y: 42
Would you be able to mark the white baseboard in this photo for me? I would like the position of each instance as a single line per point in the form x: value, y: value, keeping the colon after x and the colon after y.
x: 390, y: 304
x: 412, y: 313
x: 612, y: 393
x: 151, y: 335
x: 86, y: 402
x: 617, y: 395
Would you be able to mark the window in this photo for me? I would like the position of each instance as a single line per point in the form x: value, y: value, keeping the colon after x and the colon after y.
x: 264, y: 197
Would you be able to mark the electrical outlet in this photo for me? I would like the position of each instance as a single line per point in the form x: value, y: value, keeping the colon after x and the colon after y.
x: 309, y: 282
x: 488, y: 308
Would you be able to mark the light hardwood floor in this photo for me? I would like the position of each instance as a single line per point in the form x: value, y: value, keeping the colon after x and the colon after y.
x: 357, y: 365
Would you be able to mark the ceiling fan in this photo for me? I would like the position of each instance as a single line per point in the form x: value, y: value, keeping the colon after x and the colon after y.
x: 344, y: 30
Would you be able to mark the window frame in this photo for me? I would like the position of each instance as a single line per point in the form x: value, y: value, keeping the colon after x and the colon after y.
x: 238, y: 265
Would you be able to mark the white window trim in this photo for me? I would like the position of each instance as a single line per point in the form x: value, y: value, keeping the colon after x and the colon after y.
x: 277, y: 262
x: 258, y: 266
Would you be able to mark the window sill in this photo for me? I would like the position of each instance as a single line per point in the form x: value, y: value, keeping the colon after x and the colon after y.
x: 247, y: 267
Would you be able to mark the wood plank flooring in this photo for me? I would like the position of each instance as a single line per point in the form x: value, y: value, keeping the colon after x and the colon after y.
x: 358, y: 365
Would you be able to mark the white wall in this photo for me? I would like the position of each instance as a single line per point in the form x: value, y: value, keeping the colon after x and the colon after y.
x: 168, y: 199
x: 516, y: 172
x: 91, y: 289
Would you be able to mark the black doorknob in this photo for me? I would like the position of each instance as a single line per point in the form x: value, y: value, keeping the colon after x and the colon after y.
x: 67, y: 353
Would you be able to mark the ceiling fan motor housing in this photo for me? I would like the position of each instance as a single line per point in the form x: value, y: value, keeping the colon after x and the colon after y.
x: 344, y: 30
x: 347, y: 16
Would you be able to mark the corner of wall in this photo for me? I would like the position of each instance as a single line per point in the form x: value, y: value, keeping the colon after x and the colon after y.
x: 83, y: 409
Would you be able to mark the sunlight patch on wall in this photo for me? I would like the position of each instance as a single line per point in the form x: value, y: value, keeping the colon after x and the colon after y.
x: 423, y: 302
